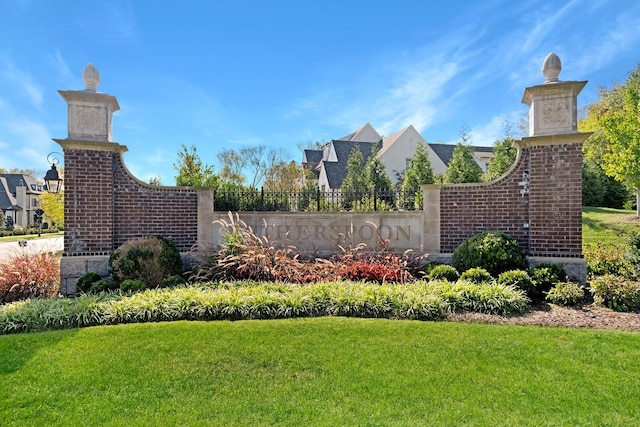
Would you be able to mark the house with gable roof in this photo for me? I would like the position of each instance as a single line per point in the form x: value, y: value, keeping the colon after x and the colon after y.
x: 329, y: 163
x: 19, y: 197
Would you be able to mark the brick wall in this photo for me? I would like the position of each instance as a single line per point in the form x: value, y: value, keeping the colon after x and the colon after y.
x: 142, y: 209
x: 539, y: 202
x: 556, y: 200
x: 88, y: 207
x: 502, y: 205
x: 106, y: 206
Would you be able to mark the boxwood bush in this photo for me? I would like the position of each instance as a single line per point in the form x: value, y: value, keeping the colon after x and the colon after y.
x: 518, y: 278
x: 443, y: 271
x: 565, y: 293
x: 476, y: 275
x: 494, y: 251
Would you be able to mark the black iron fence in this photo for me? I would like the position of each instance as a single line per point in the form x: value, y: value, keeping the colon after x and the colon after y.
x: 242, y: 199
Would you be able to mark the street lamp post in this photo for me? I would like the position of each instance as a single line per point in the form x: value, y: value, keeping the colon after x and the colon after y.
x: 52, y: 178
x: 53, y: 182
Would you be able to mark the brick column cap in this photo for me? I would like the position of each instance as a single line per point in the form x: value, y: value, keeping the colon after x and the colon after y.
x: 542, y: 140
x: 74, y: 144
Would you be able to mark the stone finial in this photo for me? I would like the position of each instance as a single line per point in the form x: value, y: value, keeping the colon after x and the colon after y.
x: 551, y: 68
x: 91, y: 78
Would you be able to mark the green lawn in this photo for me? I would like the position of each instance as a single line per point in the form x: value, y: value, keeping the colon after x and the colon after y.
x: 30, y: 237
x: 607, y: 226
x: 320, y: 371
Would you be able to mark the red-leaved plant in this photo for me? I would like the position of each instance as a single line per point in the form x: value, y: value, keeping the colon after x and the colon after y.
x: 29, y: 276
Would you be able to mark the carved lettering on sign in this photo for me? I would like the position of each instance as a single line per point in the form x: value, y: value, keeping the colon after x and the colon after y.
x: 555, y: 112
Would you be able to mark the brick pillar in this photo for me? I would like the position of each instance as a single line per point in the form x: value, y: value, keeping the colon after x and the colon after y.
x: 89, y: 154
x: 555, y: 181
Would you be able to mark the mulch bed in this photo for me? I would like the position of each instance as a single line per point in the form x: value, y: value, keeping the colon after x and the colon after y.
x: 586, y: 316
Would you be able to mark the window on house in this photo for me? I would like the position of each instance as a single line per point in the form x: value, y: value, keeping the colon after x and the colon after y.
x: 407, y: 163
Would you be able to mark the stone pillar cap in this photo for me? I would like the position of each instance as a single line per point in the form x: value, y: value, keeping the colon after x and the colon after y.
x: 551, y: 68
x: 91, y: 78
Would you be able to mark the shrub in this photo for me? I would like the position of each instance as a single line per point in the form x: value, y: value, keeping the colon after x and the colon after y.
x: 132, y: 285
x: 103, y: 285
x: 379, y: 273
x: 565, y: 293
x: 519, y: 279
x: 616, y: 292
x: 494, y: 251
x: 29, y: 276
x: 444, y: 271
x: 85, y: 282
x: 476, y: 275
x: 544, y: 278
x: 172, y: 281
x: 149, y: 258
x: 631, y: 257
x: 556, y: 269
x: 603, y: 260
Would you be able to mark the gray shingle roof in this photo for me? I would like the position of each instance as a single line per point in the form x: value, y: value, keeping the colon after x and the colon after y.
x: 312, y: 159
x: 337, y: 171
x: 8, y: 184
x: 445, y: 151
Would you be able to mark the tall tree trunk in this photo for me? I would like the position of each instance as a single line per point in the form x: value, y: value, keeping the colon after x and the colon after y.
x: 638, y: 202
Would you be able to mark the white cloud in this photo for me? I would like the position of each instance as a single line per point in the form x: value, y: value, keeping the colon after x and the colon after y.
x: 485, y: 134
x: 23, y: 80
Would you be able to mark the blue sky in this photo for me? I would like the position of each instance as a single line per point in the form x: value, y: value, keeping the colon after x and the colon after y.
x: 228, y: 74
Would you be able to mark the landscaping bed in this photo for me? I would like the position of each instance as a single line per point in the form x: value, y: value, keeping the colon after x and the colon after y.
x: 585, y: 316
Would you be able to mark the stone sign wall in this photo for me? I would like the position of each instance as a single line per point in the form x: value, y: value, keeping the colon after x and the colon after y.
x: 538, y: 201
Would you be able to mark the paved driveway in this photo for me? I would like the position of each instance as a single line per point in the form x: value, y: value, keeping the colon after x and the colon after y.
x: 50, y: 244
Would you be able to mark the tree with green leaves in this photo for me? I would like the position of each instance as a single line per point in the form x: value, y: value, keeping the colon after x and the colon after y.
x: 231, y: 165
x: 419, y: 172
x: 376, y: 173
x: 504, y: 155
x: 53, y: 206
x: 356, y: 182
x: 284, y: 176
x: 155, y: 180
x: 615, y: 121
x: 191, y: 171
x: 463, y: 167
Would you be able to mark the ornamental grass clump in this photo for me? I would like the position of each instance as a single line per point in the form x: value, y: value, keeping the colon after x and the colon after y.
x: 28, y: 275
x: 261, y: 300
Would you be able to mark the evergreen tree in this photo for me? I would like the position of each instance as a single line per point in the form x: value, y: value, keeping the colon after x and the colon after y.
x: 419, y: 172
x: 2, y: 221
x: 356, y: 182
x: 376, y: 174
x: 504, y: 155
x: 463, y: 167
